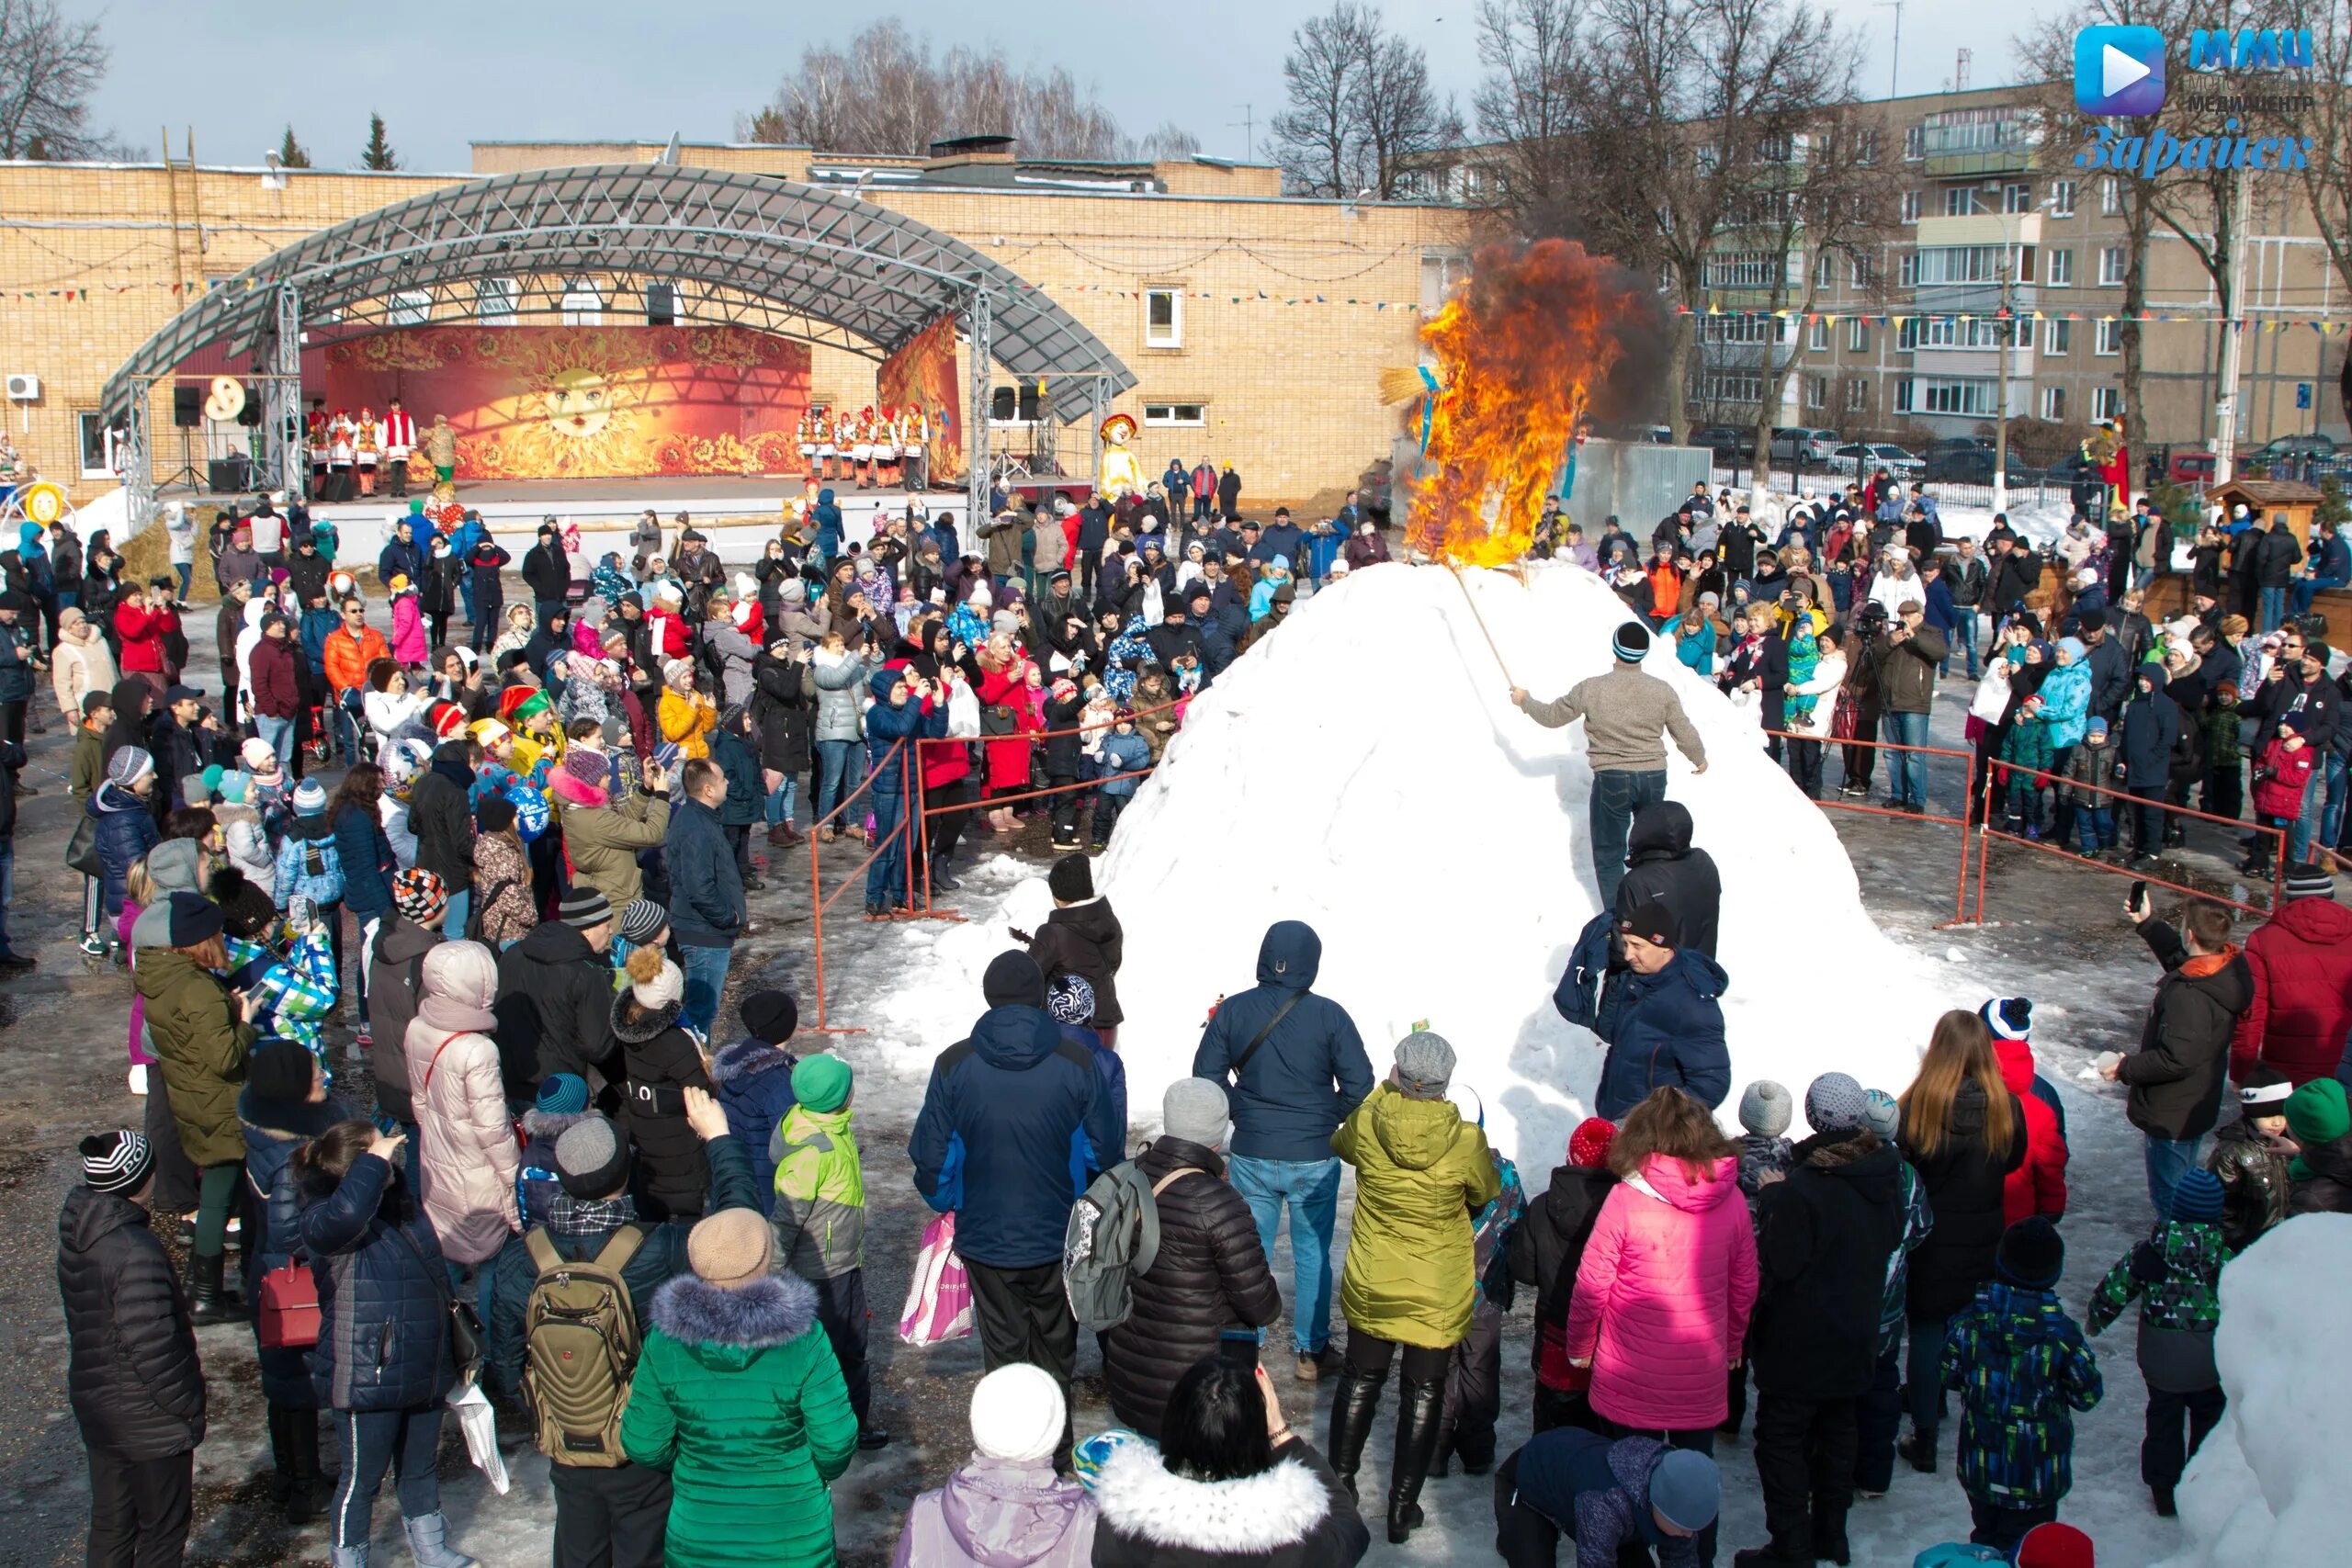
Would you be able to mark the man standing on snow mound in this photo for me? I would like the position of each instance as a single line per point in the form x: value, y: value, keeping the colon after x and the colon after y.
x: 1626, y: 714
x: 1665, y: 1026
x: 1297, y: 1069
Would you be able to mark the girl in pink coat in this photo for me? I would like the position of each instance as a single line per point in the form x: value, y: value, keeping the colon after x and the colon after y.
x: 1663, y: 1292
x: 408, y: 625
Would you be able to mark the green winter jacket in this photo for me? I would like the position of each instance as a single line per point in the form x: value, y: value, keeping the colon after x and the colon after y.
x: 739, y: 1397
x: 2177, y: 1277
x: 819, y: 1194
x: 1421, y: 1174
x: 200, y: 1046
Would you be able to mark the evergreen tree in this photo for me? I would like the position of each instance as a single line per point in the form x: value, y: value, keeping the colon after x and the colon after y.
x: 378, y: 154
x: 292, y: 154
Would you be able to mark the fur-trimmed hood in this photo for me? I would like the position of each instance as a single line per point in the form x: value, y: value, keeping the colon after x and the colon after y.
x: 1141, y: 1499
x: 647, y: 1027
x: 746, y: 1060
x: 730, y: 1328
x: 551, y: 1125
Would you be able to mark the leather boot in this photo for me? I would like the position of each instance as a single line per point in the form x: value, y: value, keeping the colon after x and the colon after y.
x: 1418, y: 1415
x: 1791, y: 1551
x: 1829, y: 1528
x: 205, y: 1302
x: 313, y: 1488
x: 780, y: 834
x: 428, y: 1542
x: 282, y: 1472
x: 1353, y: 1405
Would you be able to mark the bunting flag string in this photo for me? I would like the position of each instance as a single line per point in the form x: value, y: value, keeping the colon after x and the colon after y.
x: 2330, y: 326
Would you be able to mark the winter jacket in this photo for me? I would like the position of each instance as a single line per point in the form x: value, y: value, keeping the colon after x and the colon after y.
x: 2020, y: 1365
x: 364, y: 857
x: 1000, y: 1514
x: 1291, y: 1516
x: 737, y: 1395
x: 131, y: 1371
x: 1211, y: 1275
x: 2322, y: 1179
x: 383, y: 1325
x: 1421, y: 1172
x: 602, y: 837
x: 753, y: 1081
x: 1307, y: 1075
x: 1124, y: 757
x: 1597, y: 1491
x: 1661, y: 864
x: 2066, y: 695
x: 466, y: 1150
x: 2151, y: 727
x: 746, y: 790
x: 1544, y: 1249
x: 440, y: 813
x: 502, y: 906
x: 309, y: 864
x: 2038, y: 1186
x: 2176, y: 1276
x: 1084, y: 939
x: 2176, y: 1075
x: 885, y: 727
x: 706, y: 906
x: 669, y: 1173
x: 1966, y: 1184
x: 1663, y: 1295
x: 146, y: 637
x: 688, y: 718
x: 275, y: 693
x: 2280, y: 776
x: 2299, y: 1010
x: 820, y: 1195
x: 555, y: 996
x: 1906, y: 669
x: 273, y: 1129
x: 1663, y: 1029
x: 785, y: 710
x: 395, y: 980
x: 1011, y: 1120
x: 1824, y: 1236
x: 201, y: 1046
x: 841, y: 691
x: 126, y: 831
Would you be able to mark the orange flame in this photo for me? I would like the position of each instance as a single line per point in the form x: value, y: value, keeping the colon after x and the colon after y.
x: 1519, y: 350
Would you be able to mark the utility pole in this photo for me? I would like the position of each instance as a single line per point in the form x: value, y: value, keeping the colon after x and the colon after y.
x: 1895, y: 55
x: 1249, y: 124
x: 2225, y: 406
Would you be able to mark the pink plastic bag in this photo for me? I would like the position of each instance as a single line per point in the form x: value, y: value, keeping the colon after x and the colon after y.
x: 939, y: 1301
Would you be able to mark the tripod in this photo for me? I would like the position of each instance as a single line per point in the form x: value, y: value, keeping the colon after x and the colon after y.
x: 185, y: 473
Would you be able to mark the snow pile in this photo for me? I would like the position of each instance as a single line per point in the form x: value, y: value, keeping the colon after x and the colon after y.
x: 2267, y: 1487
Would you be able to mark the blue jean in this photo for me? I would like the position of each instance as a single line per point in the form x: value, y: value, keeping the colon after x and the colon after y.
x: 705, y: 970
x: 2096, y: 825
x: 1310, y: 1190
x: 2169, y: 1161
x: 2306, y: 589
x: 277, y: 734
x: 1908, y: 770
x: 841, y: 769
x: 2323, y: 813
x: 349, y: 733
x: 187, y: 575
x: 374, y: 1441
x: 453, y: 923
x: 1617, y: 793
x: 780, y: 799
x: 885, y: 879
x: 1922, y: 1377
x: 2273, y: 609
x: 466, y: 593
x: 1963, y: 634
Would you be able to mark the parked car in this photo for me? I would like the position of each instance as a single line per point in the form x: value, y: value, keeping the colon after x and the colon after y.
x: 1639, y: 434
x: 1803, y: 447
x: 2295, y: 448
x: 1973, y: 465
x: 1864, y: 459
x: 2191, y: 466
x: 1730, y: 444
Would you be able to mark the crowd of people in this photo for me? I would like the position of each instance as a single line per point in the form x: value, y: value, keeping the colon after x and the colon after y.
x: 556, y: 1191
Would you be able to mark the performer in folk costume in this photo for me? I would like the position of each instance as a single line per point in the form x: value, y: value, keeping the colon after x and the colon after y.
x: 366, y: 449
x: 844, y: 442
x: 441, y: 449
x: 805, y: 436
x: 315, y: 441
x: 400, y: 441
x: 914, y: 449
x: 861, y: 447
x: 339, y: 455
x: 887, y: 446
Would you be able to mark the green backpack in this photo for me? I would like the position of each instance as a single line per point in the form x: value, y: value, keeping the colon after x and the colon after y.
x: 581, y: 1343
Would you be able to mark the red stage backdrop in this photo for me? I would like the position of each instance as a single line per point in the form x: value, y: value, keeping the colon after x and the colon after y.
x: 589, y: 403
x: 923, y: 373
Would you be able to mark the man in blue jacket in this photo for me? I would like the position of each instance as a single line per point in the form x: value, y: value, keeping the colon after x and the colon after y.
x: 707, y: 910
x: 1012, y: 1122
x: 1295, y: 1068
x: 1665, y: 1026
x: 1604, y: 1494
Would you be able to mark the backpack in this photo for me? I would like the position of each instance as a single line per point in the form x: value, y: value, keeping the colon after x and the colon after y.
x: 1113, y: 1235
x: 581, y: 1343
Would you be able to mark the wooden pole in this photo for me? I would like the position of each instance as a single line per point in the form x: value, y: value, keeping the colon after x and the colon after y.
x: 1472, y: 603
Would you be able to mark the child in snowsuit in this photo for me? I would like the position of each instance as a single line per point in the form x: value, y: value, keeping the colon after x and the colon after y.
x: 562, y: 1104
x: 2279, y: 777
x: 1473, y: 1372
x: 1122, y: 751
x: 2028, y: 751
x: 1544, y: 1249
x: 2020, y: 1365
x: 1765, y: 1156
x: 409, y: 644
x: 2176, y: 1275
x: 2224, y: 755
x: 819, y: 1219
x: 754, y: 1081
x: 2093, y: 763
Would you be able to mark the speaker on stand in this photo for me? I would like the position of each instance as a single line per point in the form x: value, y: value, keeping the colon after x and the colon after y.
x: 187, y: 413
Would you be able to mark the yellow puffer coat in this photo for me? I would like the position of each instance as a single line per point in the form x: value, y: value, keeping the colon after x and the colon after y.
x: 1421, y: 1173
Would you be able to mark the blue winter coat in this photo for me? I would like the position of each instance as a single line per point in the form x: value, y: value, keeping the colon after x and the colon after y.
x: 745, y: 797
x: 1308, y: 1075
x: 309, y: 863
x: 2151, y: 725
x: 1665, y: 1028
x: 383, y: 1325
x: 827, y: 518
x: 1127, y: 754
x: 2065, y: 695
x: 886, y: 726
x: 1581, y: 997
x: 1598, y: 1491
x: 1112, y: 1075
x: 754, y: 1083
x: 995, y: 1137
x: 126, y: 831
x: 316, y: 624
x: 273, y: 1129
x: 2022, y: 1368
x: 367, y: 862
x: 705, y: 887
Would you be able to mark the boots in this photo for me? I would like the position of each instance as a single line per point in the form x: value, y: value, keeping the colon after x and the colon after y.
x: 207, y: 1305
x: 1790, y: 1551
x: 428, y: 1542
x: 313, y: 1488
x: 1418, y: 1415
x: 281, y: 1457
x: 941, y: 881
x: 1829, y: 1528
x: 1352, y: 1407
x: 351, y: 1556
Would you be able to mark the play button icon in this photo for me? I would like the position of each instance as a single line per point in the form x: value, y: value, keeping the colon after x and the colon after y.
x: 2119, y: 71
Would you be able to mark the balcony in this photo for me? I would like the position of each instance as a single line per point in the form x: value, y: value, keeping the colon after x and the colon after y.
x: 1980, y: 142
x: 1979, y: 229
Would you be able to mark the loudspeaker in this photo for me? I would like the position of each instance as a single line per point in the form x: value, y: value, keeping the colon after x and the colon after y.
x: 187, y: 406
x: 1004, y: 401
x: 250, y: 416
x: 232, y: 475
x: 661, y: 305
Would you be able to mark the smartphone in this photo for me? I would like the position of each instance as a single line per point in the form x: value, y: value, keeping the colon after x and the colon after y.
x: 2138, y: 900
x: 1239, y: 1346
x: 386, y: 1125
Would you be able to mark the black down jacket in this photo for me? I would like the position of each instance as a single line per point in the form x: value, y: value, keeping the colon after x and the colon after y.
x: 1085, y: 939
x: 554, y: 1008
x: 1210, y: 1276
x: 1964, y: 1178
x: 785, y: 708
x: 137, y: 1387
x: 2176, y: 1075
x: 671, y: 1174
x: 1547, y: 1244
x: 1823, y: 1239
x: 1661, y: 864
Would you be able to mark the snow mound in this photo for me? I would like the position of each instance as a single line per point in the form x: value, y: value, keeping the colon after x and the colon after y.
x: 1363, y: 771
x: 2271, y: 1490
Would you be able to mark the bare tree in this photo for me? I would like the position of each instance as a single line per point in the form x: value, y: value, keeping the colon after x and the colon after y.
x: 2326, y: 177
x: 49, y: 67
x: 1316, y: 139
x: 1529, y: 106
x: 1170, y: 141
x: 1401, y: 119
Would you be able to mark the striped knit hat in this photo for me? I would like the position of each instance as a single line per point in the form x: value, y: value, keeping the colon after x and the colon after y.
x: 421, y: 896
x: 116, y: 1162
x: 2009, y: 1018
x: 128, y: 765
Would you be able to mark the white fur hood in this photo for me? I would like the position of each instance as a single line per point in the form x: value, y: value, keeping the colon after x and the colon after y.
x: 1140, y: 1499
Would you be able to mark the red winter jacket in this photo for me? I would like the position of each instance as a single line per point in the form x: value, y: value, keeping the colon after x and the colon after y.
x: 2301, y: 962
x: 2038, y: 1186
x: 2278, y: 781
x: 275, y: 693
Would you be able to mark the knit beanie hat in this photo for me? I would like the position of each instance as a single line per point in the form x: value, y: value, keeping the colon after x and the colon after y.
x: 310, y: 799
x: 1196, y: 1111
x: 495, y: 814
x: 583, y: 907
x: 1071, y: 879
x: 419, y: 896
x: 1835, y: 1104
x: 2316, y: 1113
x: 1882, y: 1113
x: 731, y: 1249
x: 2263, y: 1091
x: 2009, y: 1018
x: 1424, y: 1065
x: 1631, y: 642
x: 1589, y: 1145
x: 1686, y: 1489
x: 116, y: 1162
x: 1070, y: 998
x: 656, y: 984
x: 822, y: 1082
x: 563, y: 1094
x: 592, y: 1159
x: 191, y: 918
x: 1765, y: 1108
x: 586, y: 766
x: 279, y: 1070
x: 2033, y: 1254
x: 1652, y: 921
x: 2307, y: 881
x: 641, y: 920
x: 2197, y: 1200
x: 1013, y: 979
x: 2055, y: 1545
x: 128, y: 765
x: 258, y: 756
x: 768, y: 1016
x: 1017, y: 1414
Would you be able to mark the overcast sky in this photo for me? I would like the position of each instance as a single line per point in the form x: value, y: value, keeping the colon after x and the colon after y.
x: 445, y: 73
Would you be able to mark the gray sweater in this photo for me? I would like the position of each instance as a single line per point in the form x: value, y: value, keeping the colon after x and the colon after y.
x: 1626, y: 714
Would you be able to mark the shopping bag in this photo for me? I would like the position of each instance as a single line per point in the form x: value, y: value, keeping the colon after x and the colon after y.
x: 939, y: 1301
x: 479, y: 1423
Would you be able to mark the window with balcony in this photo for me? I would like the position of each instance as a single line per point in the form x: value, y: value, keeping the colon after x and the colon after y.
x: 2054, y: 405
x: 2059, y: 339
x: 2062, y: 199
x: 1730, y: 388
x: 1954, y: 397
x: 2110, y: 267
x: 1959, y: 331
x: 2107, y: 341
x: 2107, y: 402
x: 1742, y: 327
x: 1744, y: 269
x: 2061, y: 268
x: 1937, y: 265
x: 1910, y: 207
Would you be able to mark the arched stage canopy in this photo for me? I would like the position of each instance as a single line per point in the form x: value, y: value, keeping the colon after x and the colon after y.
x: 739, y: 249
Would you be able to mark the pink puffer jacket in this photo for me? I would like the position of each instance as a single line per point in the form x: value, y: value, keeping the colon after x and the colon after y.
x: 1663, y: 1295
x: 466, y: 1144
